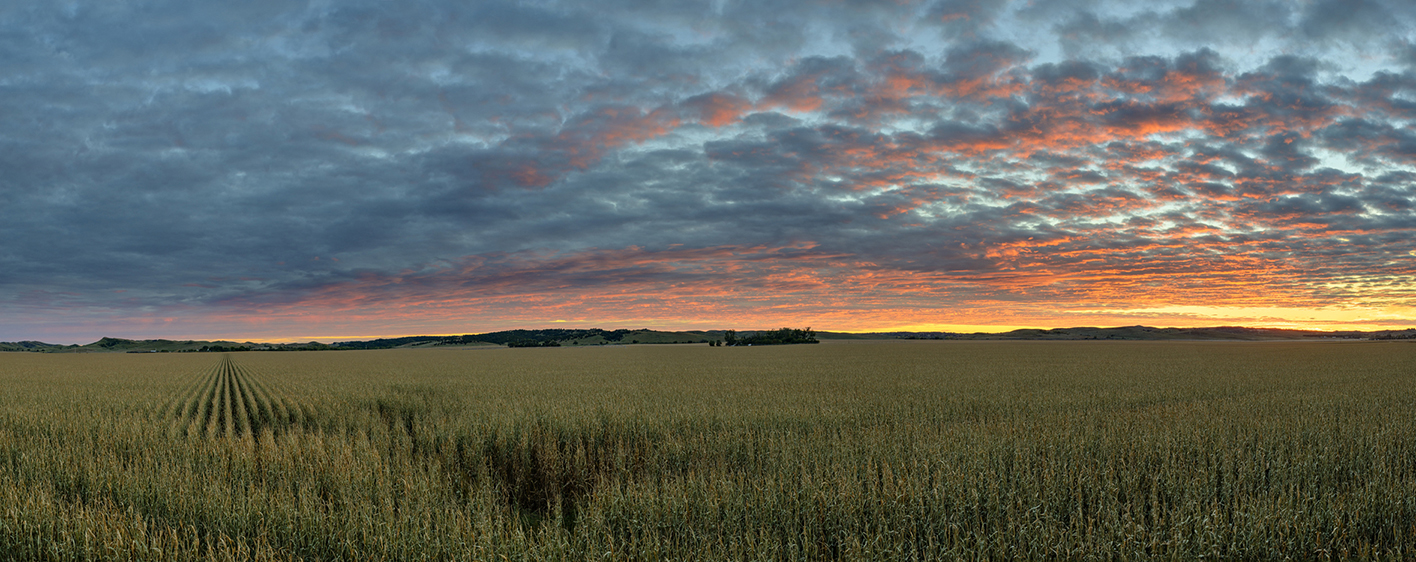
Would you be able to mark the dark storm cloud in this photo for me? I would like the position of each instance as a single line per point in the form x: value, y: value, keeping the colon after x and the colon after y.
x: 175, y: 157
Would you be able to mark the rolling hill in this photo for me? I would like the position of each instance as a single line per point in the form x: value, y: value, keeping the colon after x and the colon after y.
x: 596, y: 336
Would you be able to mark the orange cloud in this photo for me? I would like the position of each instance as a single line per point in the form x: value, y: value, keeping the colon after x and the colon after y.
x: 800, y: 94
x: 718, y: 109
x: 587, y: 138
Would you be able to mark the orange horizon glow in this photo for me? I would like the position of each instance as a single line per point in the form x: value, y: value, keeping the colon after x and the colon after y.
x: 677, y: 289
x: 921, y: 328
x: 1195, y: 317
x: 973, y: 191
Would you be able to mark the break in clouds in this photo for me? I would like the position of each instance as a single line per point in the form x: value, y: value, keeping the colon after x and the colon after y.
x: 269, y: 169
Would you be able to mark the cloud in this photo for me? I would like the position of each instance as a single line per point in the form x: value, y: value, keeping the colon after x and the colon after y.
x: 1355, y: 20
x: 718, y: 109
x: 964, y: 17
x: 858, y: 161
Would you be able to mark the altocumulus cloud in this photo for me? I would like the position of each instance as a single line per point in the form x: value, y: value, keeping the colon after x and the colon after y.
x: 340, y: 169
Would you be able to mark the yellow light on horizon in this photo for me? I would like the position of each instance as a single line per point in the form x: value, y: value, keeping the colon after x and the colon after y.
x: 1325, y: 318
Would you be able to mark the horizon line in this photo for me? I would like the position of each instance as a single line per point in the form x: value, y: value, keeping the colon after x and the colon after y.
x: 969, y: 329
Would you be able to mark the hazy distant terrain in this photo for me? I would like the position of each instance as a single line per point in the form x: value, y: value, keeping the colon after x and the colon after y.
x: 562, y: 337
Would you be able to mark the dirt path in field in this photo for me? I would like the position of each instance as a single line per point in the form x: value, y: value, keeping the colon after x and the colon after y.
x: 229, y: 400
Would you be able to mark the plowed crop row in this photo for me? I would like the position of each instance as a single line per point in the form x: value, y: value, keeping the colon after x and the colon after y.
x: 885, y: 450
x: 230, y: 401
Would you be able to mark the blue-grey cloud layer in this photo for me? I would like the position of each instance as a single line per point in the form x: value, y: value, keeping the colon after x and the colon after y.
x: 166, y: 158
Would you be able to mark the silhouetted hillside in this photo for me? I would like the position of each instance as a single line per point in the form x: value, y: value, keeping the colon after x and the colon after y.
x: 596, y: 336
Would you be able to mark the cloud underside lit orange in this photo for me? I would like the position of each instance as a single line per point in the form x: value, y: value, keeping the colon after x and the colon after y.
x: 740, y: 287
x: 1110, y: 200
x: 1165, y: 192
x: 974, y: 184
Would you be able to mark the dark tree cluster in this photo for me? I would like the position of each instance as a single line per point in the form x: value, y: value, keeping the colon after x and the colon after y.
x: 533, y: 343
x: 1407, y: 334
x: 781, y: 336
x: 549, y: 335
x: 385, y: 343
x: 223, y: 348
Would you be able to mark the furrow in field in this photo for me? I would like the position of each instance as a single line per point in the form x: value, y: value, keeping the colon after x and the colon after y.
x: 177, y: 404
x: 303, y: 415
x: 202, y: 420
x: 241, y: 413
x: 191, y: 402
x: 255, y: 408
x: 281, y: 412
x: 260, y: 399
x: 250, y: 409
x: 214, y: 419
x: 177, y: 408
x: 202, y: 411
x: 231, y: 400
x: 284, y: 412
x: 189, y: 396
x: 227, y: 426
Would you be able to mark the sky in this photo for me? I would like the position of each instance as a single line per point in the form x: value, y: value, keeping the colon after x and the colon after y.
x: 288, y: 171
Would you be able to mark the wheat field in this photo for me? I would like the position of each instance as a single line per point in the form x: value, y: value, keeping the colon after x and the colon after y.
x: 839, y: 451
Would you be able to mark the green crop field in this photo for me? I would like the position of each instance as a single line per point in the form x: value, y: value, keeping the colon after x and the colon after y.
x: 838, y: 451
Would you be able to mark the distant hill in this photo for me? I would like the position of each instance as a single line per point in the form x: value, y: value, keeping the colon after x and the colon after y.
x: 560, y: 337
x: 112, y: 345
x: 596, y: 336
x: 1235, y: 333
x: 33, y: 346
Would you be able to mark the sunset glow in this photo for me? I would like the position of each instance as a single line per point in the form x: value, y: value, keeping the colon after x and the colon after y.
x: 349, y: 170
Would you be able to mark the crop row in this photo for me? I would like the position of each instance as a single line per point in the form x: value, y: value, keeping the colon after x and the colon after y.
x: 848, y: 451
x: 229, y: 400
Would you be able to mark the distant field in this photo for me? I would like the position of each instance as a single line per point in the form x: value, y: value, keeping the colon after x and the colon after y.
x: 847, y: 450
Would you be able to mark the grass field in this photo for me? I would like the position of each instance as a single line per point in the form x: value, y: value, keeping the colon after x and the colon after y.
x: 851, y: 450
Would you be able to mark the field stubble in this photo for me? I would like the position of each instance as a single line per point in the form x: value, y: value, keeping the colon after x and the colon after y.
x: 899, y: 450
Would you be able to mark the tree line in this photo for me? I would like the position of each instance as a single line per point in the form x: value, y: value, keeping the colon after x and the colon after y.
x: 780, y: 336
